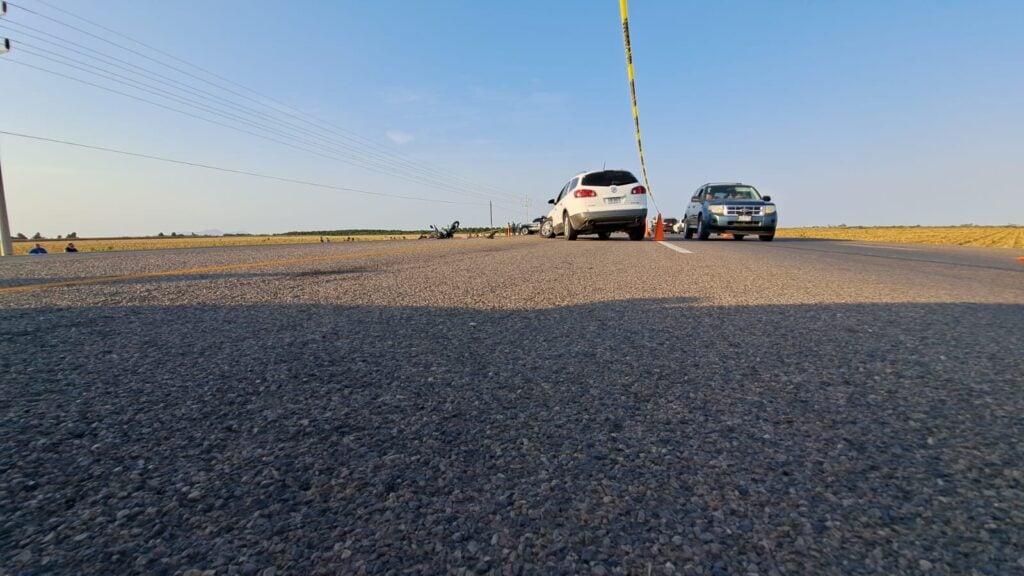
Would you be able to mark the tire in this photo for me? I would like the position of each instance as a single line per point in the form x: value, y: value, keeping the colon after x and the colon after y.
x: 636, y: 233
x: 570, y: 234
x: 687, y: 231
x: 702, y: 229
x: 604, y: 235
x: 766, y: 237
x: 738, y: 236
x: 524, y: 231
x: 547, y: 229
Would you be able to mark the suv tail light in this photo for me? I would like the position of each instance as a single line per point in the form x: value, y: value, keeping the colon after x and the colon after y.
x: 638, y: 190
x: 584, y: 193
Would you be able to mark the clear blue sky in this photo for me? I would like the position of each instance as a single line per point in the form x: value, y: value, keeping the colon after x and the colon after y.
x: 845, y: 112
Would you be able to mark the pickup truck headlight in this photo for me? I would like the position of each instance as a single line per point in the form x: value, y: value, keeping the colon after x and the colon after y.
x: 769, y: 209
x: 717, y: 209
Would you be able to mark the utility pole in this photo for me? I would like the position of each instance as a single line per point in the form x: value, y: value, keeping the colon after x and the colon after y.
x: 490, y: 205
x: 5, y: 228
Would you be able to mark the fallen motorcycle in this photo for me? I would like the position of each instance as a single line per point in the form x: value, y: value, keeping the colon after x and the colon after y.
x: 443, y: 233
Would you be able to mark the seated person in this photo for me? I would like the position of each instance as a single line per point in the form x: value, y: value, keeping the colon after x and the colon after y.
x: 70, y: 247
x: 37, y: 250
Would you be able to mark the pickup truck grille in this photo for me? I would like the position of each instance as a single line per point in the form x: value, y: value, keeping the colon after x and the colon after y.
x: 741, y: 210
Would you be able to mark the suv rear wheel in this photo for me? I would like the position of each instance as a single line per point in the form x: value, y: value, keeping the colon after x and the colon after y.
x: 636, y: 233
x: 604, y: 235
x: 570, y: 234
x: 766, y: 237
x: 738, y: 236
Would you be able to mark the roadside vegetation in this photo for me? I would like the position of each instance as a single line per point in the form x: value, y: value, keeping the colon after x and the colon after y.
x: 168, y: 242
x: 980, y: 236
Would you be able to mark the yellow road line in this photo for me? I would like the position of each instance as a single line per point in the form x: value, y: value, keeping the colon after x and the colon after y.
x: 206, y: 269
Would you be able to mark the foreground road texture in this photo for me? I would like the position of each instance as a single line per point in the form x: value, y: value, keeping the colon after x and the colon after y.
x: 516, y: 406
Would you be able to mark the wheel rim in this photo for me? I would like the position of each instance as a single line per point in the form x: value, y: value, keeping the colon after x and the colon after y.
x: 565, y: 224
x: 700, y: 227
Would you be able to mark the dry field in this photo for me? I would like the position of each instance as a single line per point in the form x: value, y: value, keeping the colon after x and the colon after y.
x: 112, y: 244
x: 982, y: 236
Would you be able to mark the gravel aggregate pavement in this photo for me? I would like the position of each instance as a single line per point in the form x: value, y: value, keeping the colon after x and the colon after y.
x: 516, y: 406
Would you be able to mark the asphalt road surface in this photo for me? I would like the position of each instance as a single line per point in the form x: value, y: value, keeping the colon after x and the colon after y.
x: 514, y: 406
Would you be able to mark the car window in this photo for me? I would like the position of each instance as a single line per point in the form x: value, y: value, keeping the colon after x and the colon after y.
x: 562, y: 193
x: 609, y: 178
x: 572, y: 185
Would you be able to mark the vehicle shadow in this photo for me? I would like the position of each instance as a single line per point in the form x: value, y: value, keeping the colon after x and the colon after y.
x: 799, y: 439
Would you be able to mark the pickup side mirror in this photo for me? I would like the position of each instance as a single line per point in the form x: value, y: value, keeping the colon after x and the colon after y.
x: 552, y: 201
x: 767, y: 198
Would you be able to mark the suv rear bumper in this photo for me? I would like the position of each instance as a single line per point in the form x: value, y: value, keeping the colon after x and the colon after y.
x: 608, y: 220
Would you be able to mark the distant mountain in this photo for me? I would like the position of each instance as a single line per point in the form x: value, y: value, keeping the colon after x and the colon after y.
x: 211, y: 232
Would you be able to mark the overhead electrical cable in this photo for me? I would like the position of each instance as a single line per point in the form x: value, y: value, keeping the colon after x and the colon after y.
x: 233, y: 170
x: 304, y: 145
x: 317, y: 123
x: 390, y: 167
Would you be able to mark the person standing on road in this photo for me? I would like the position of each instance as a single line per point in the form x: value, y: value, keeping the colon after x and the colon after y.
x: 38, y: 250
x: 70, y: 247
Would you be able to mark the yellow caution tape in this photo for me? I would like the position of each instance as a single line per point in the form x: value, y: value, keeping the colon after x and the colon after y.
x: 623, y: 9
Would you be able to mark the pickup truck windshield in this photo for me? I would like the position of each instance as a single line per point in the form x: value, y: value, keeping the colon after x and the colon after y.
x: 732, y: 193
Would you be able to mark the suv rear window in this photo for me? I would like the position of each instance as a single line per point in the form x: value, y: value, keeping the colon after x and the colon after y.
x: 609, y: 178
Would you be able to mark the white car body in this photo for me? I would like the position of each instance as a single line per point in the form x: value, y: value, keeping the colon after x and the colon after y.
x: 599, y: 202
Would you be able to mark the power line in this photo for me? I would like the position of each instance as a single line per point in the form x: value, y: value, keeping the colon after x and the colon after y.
x: 329, y: 154
x: 355, y: 154
x: 318, y: 123
x: 232, y: 170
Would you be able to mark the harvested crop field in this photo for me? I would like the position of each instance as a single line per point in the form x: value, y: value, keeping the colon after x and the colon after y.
x: 114, y: 244
x: 980, y: 236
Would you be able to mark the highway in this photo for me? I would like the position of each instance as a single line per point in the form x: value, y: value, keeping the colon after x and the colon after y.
x: 514, y: 406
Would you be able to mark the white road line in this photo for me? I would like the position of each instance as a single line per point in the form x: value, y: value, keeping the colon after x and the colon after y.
x: 885, y: 247
x: 674, y: 247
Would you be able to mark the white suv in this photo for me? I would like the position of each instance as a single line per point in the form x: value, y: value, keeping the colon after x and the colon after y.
x: 599, y: 203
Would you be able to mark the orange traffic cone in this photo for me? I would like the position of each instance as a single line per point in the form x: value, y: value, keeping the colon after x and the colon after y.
x: 659, y: 230
x: 647, y: 228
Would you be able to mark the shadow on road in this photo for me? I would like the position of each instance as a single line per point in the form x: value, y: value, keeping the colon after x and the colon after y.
x: 806, y: 439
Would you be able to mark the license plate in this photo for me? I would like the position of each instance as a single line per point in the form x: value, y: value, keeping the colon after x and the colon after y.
x: 745, y: 218
x: 616, y: 200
